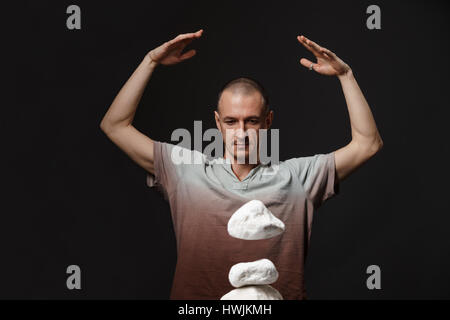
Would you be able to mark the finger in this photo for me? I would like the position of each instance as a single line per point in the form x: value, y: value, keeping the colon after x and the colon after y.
x: 325, y: 55
x: 302, y: 40
x: 186, y: 41
x: 197, y: 34
x: 192, y: 34
x: 329, y: 53
x: 324, y: 51
x: 306, y: 43
x: 188, y: 54
x: 182, y: 44
x: 314, y: 45
x: 184, y: 36
x: 307, y: 63
x: 180, y: 38
x: 315, y: 48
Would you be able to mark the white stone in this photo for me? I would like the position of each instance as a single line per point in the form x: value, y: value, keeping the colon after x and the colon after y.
x: 253, y: 221
x: 258, y: 272
x: 264, y: 292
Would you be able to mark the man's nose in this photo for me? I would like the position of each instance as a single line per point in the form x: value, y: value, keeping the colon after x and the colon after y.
x: 240, y: 132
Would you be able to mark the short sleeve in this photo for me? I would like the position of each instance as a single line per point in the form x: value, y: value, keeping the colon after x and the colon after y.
x: 318, y: 176
x: 171, y: 162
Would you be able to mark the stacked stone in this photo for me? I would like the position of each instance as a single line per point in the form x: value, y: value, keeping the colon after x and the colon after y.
x: 252, y: 280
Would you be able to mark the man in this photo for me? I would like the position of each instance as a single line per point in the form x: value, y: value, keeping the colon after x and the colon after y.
x: 203, y: 196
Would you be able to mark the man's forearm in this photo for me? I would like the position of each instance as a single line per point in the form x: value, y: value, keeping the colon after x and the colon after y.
x: 364, y: 129
x: 123, y: 108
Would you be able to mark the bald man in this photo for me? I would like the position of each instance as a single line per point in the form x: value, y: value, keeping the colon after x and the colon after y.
x: 203, y: 196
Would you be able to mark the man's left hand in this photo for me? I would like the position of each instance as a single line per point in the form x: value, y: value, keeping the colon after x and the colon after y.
x: 327, y: 63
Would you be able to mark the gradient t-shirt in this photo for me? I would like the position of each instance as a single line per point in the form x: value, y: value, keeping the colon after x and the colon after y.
x: 205, y: 194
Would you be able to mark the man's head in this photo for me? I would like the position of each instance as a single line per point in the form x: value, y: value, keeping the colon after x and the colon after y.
x: 242, y: 110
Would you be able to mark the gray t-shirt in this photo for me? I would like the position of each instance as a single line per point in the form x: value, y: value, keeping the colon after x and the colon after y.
x: 204, y: 196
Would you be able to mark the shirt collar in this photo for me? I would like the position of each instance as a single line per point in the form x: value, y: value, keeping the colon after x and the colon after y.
x: 226, y: 164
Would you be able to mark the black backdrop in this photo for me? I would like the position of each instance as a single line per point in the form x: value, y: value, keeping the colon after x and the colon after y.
x: 70, y: 196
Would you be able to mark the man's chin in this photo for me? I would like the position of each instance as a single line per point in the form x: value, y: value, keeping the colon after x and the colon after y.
x: 242, y: 157
x: 240, y: 154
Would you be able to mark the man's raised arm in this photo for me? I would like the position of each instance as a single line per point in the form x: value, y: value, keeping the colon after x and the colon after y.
x: 366, y: 140
x: 117, y: 122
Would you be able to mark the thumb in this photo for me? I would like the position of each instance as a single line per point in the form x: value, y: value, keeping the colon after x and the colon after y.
x: 307, y: 64
x: 188, y: 54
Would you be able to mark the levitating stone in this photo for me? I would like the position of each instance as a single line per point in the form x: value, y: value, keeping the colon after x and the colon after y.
x: 264, y: 292
x: 253, y: 221
x: 258, y: 272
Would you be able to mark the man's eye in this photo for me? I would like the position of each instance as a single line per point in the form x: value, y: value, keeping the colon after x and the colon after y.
x: 229, y: 122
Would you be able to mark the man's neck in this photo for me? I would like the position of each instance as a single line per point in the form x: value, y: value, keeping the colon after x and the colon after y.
x: 241, y: 170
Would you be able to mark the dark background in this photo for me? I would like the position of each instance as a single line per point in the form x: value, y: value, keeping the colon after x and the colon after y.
x: 70, y: 196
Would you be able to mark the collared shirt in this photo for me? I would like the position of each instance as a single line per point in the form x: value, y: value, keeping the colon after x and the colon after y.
x: 204, y: 195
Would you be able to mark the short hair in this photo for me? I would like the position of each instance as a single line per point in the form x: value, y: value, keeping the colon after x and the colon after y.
x: 245, y: 85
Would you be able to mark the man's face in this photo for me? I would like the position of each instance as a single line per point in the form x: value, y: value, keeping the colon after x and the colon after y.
x: 239, y: 119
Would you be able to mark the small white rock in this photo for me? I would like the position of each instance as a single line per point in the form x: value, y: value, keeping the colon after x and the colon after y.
x: 258, y: 272
x: 264, y: 292
x: 253, y: 221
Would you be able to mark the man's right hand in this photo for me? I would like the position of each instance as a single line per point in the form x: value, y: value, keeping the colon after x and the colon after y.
x: 170, y: 52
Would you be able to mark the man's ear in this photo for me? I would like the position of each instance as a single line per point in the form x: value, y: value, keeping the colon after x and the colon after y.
x: 269, y: 119
x: 217, y: 118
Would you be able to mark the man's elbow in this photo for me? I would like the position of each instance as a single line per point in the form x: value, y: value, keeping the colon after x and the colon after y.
x: 376, y: 146
x: 102, y: 126
x: 369, y: 147
x: 106, y: 124
x: 105, y: 127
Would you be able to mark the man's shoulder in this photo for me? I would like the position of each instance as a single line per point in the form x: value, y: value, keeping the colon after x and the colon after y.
x: 182, y: 155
